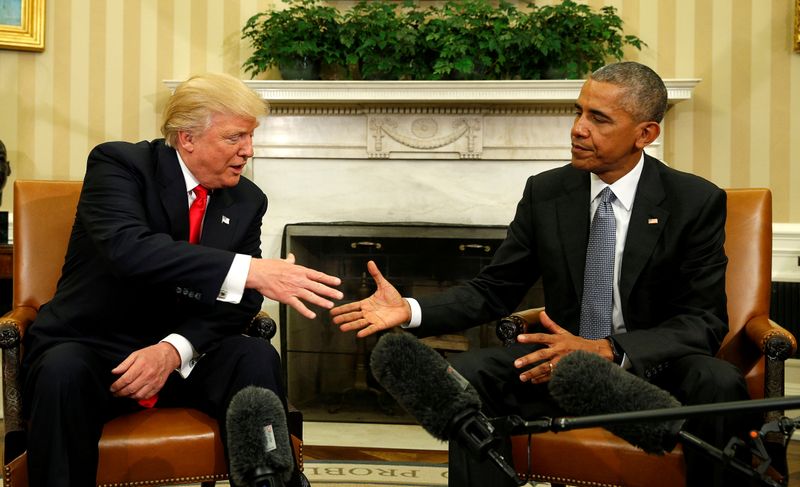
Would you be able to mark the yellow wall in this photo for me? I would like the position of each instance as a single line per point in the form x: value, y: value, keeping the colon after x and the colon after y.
x: 100, y: 78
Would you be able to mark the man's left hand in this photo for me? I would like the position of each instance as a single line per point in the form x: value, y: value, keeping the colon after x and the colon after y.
x: 557, y: 343
x: 144, y: 372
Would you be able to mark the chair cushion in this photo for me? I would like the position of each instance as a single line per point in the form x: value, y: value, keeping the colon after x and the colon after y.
x: 597, y: 454
x: 154, y: 446
x: 161, y: 446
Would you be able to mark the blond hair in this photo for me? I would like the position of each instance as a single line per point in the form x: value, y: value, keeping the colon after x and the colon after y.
x: 194, y: 101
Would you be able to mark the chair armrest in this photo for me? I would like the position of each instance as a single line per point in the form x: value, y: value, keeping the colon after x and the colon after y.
x: 517, y: 323
x: 12, y: 328
x: 262, y: 326
x: 773, y: 340
x: 13, y: 325
x: 776, y: 344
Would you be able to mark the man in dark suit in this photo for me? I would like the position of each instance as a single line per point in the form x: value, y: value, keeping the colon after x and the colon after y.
x: 140, y: 314
x: 666, y: 296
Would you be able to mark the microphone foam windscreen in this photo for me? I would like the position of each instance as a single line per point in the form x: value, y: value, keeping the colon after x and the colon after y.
x: 422, y: 382
x: 585, y: 384
x: 258, y: 437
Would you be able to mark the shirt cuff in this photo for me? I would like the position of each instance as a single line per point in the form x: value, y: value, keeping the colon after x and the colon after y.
x: 626, y: 363
x: 416, y: 314
x: 185, y: 350
x: 232, y: 288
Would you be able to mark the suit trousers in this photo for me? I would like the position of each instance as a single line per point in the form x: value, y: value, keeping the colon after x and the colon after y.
x: 66, y: 396
x: 694, y: 379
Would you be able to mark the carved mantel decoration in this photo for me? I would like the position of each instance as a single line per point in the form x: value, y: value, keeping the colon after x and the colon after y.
x: 424, y: 133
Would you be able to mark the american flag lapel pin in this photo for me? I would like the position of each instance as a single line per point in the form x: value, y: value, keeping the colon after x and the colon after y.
x: 226, y: 220
x: 650, y: 221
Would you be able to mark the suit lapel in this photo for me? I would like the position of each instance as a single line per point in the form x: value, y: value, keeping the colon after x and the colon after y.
x: 647, y: 223
x: 173, y: 192
x: 573, y: 224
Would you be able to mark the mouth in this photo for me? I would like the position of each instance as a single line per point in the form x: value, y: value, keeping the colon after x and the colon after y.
x: 238, y: 168
x: 579, y: 149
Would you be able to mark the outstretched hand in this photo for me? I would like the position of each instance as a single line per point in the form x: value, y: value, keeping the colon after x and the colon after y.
x: 383, y: 310
x: 286, y: 282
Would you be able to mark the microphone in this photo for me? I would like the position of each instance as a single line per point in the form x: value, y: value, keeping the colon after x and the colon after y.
x: 258, y: 439
x: 586, y: 384
x: 432, y: 391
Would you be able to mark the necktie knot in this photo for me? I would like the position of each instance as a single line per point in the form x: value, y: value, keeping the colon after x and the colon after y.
x: 200, y: 192
x: 607, y: 196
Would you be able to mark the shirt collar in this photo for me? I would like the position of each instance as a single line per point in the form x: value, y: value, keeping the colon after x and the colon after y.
x: 624, y: 188
x: 190, y: 180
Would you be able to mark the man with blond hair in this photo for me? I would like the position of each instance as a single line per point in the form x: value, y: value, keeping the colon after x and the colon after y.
x: 152, y: 302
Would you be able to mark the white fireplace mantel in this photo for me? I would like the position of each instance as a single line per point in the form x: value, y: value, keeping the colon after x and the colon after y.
x: 449, y: 92
x: 424, y: 120
x: 521, y: 120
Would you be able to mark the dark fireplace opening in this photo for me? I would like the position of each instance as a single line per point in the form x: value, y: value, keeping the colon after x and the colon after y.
x: 326, y: 371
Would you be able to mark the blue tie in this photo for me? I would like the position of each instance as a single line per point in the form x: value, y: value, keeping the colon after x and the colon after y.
x: 598, y: 277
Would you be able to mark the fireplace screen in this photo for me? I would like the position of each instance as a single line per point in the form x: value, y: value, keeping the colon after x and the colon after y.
x: 327, y: 371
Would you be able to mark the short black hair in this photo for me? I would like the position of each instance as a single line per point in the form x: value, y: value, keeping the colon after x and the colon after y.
x: 646, y: 94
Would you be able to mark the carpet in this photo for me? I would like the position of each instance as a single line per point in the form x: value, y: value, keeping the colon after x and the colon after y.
x: 368, y: 474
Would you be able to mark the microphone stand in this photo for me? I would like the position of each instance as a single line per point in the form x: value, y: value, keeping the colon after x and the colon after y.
x: 510, y: 425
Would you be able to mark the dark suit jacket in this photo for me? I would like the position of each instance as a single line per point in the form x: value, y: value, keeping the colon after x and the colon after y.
x: 130, y: 276
x: 672, y: 281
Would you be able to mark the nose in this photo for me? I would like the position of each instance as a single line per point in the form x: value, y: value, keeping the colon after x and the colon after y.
x: 246, y: 149
x: 579, y: 127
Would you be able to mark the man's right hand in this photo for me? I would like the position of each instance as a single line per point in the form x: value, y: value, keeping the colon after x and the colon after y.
x: 383, y: 310
x: 284, y: 281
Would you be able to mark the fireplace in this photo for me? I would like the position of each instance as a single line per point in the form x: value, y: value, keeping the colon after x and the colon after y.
x: 327, y: 371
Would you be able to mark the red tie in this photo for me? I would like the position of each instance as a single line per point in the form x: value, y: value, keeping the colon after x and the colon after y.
x: 196, y: 212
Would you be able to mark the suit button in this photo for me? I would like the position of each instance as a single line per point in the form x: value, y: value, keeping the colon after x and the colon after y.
x: 197, y: 296
x: 178, y: 289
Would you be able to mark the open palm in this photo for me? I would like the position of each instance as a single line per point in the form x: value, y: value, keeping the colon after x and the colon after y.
x: 384, y: 309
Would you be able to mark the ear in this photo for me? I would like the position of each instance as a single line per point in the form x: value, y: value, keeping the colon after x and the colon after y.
x: 647, y: 133
x: 186, y: 140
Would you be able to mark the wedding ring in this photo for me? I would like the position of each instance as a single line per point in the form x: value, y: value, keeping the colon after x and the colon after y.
x: 551, y: 367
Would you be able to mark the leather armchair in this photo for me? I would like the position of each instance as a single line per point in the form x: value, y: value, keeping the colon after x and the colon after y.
x: 758, y: 346
x: 150, y: 447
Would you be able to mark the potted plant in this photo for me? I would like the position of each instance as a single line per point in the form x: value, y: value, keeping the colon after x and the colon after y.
x: 458, y: 39
x: 297, y: 39
x: 568, y: 40
x: 469, y: 39
x: 382, y: 40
